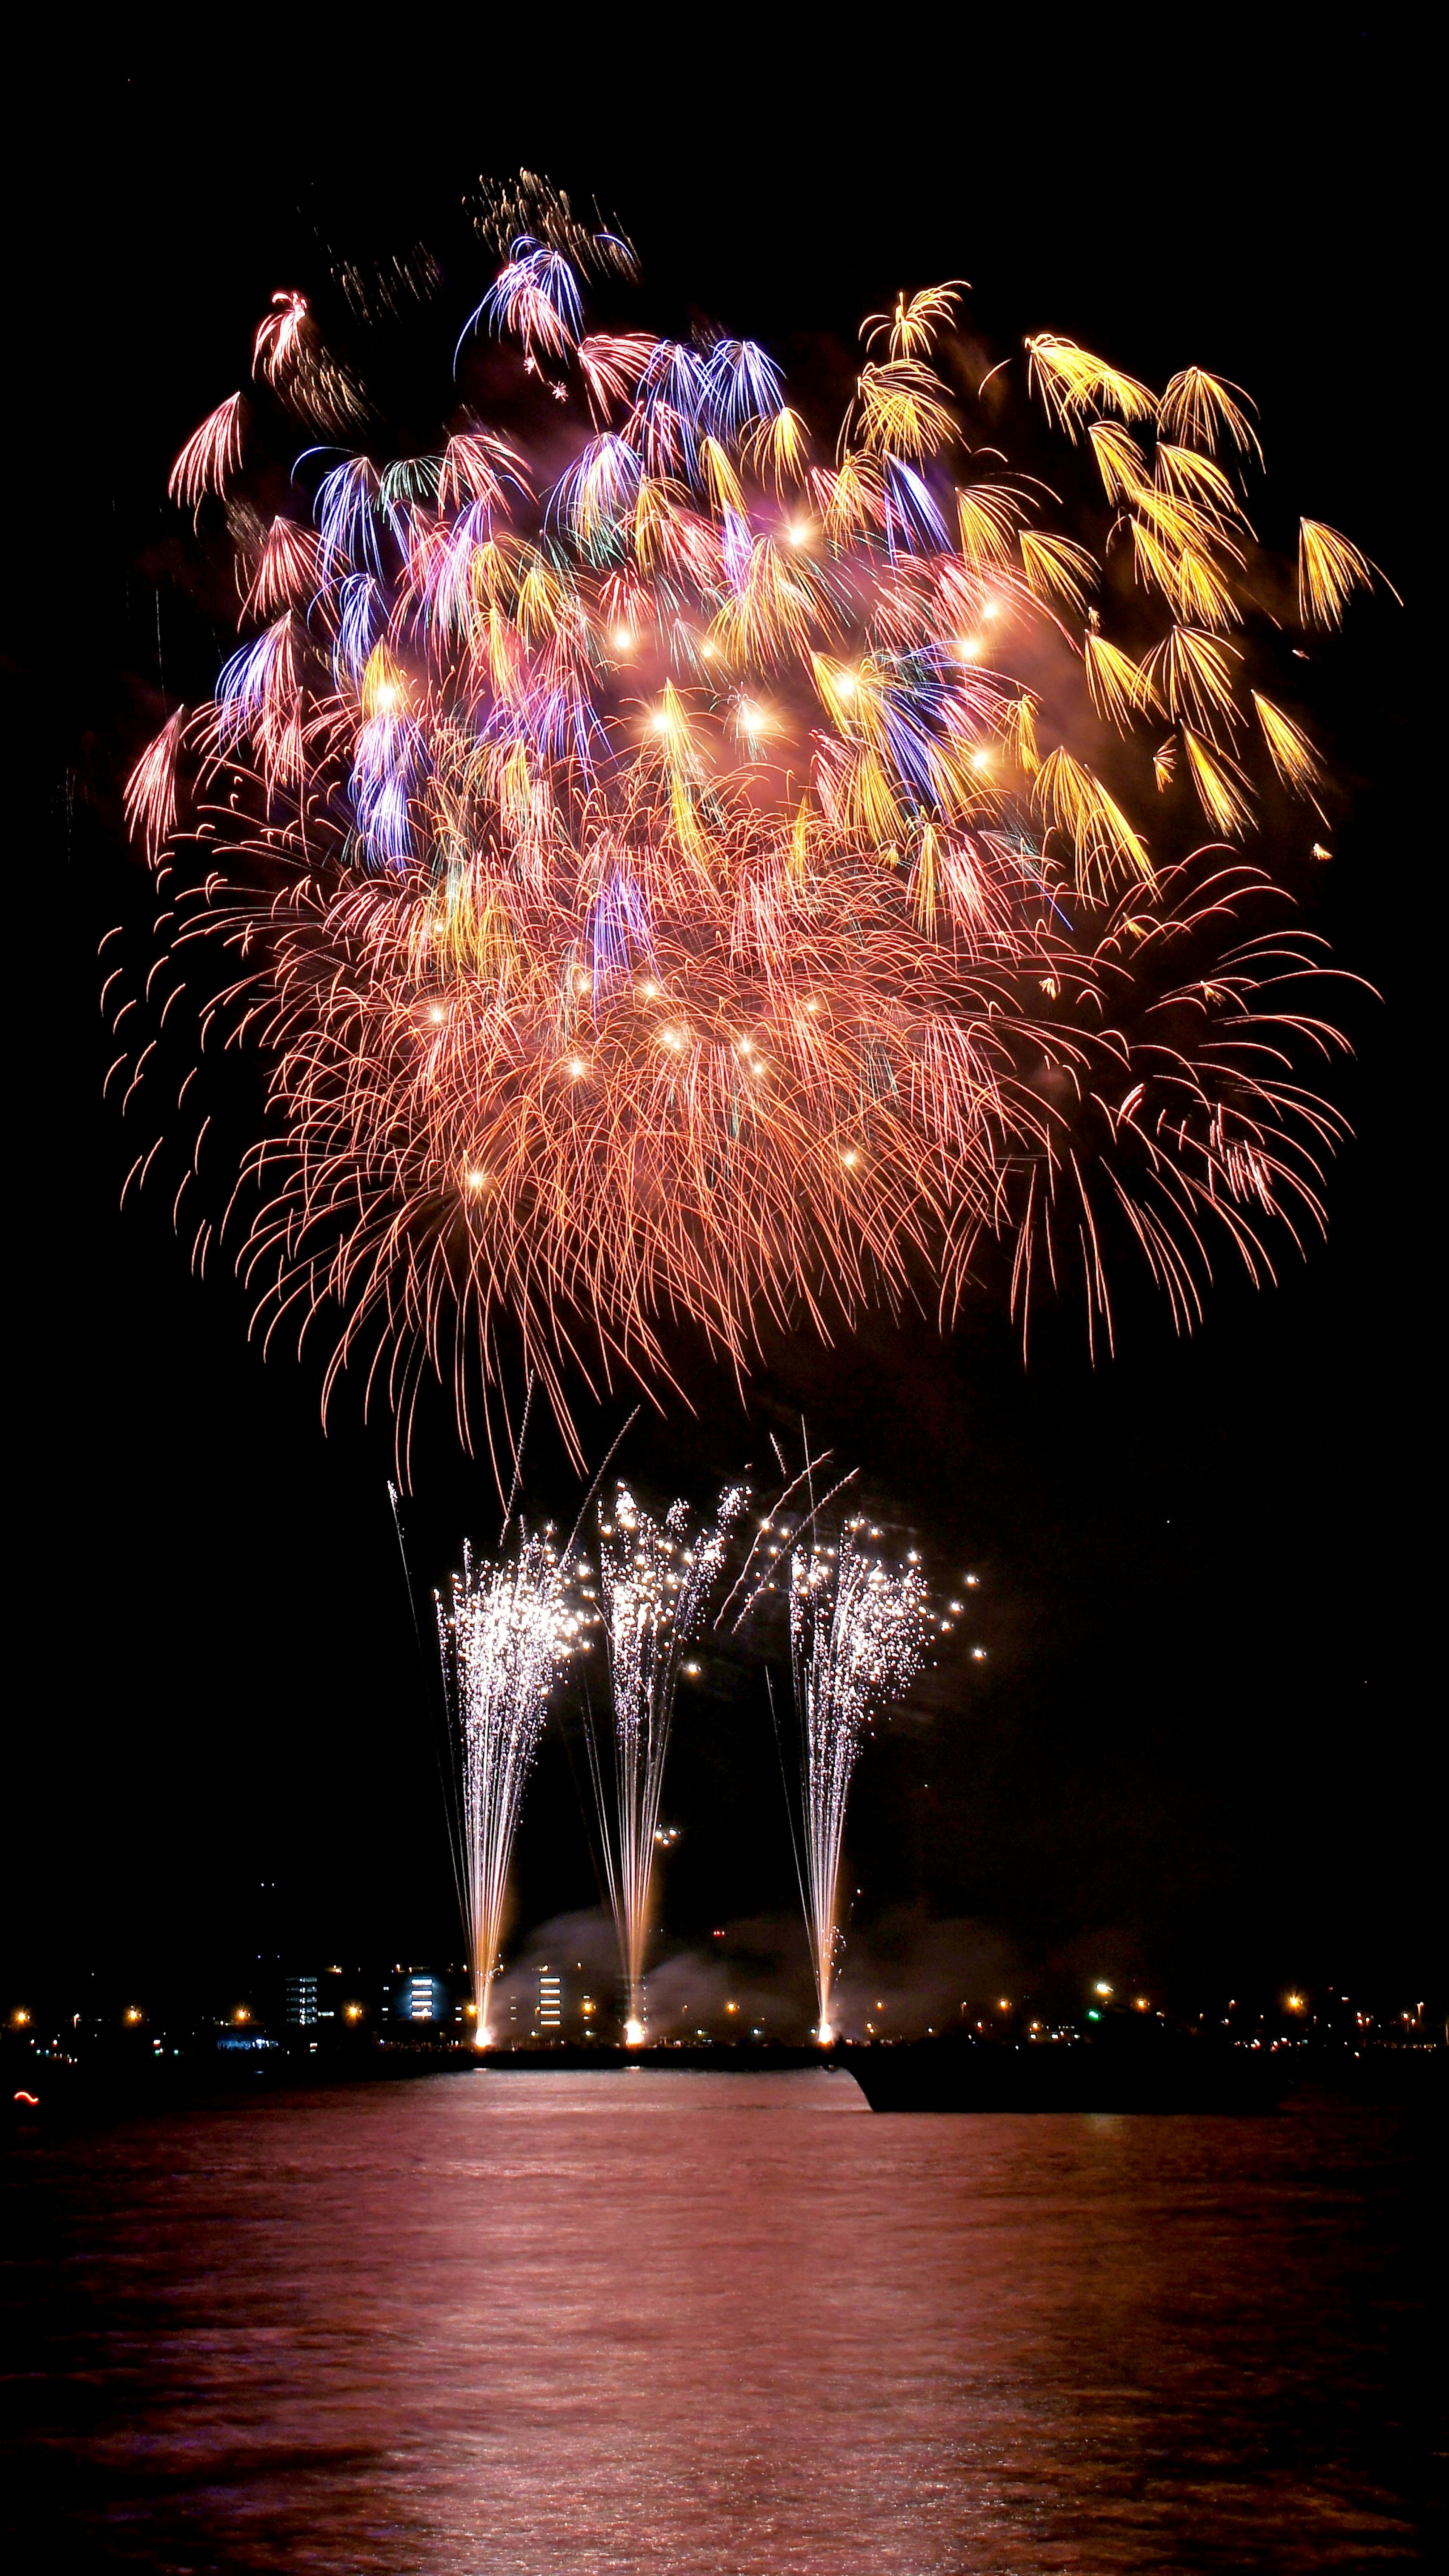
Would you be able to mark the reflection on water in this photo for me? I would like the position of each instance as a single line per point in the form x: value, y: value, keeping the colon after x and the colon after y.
x: 523, y: 2325
x: 639, y: 2088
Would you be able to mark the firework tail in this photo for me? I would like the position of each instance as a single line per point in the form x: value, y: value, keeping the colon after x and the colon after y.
x: 655, y: 1576
x: 858, y: 1628
x: 506, y: 1630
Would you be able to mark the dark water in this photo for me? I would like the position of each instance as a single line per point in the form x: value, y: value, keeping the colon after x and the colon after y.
x: 527, y: 2325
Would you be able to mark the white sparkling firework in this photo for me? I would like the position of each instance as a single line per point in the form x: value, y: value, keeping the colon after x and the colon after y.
x: 858, y: 1634
x: 654, y: 1582
x: 507, y: 1630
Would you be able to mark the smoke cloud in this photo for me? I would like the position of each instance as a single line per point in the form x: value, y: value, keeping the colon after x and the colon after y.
x: 900, y: 1977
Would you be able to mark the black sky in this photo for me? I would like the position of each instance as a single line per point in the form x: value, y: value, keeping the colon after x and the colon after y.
x: 1203, y: 1735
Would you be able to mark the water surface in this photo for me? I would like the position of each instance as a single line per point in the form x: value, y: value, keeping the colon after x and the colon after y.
x: 526, y: 2325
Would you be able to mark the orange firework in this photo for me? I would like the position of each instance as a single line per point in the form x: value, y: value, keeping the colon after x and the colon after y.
x: 706, y: 880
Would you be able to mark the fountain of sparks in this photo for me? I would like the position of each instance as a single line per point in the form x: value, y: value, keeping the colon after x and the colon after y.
x: 507, y: 1630
x: 654, y: 1582
x: 858, y: 1633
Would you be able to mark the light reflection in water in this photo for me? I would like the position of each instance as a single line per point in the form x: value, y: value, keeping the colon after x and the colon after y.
x: 537, y: 2324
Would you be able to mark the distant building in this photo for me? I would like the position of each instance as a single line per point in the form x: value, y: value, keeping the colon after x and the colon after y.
x: 550, y: 2000
x: 421, y: 1997
x: 299, y: 2004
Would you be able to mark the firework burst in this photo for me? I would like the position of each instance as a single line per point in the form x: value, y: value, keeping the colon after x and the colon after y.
x: 859, y: 1630
x: 678, y: 869
x: 655, y: 1578
x: 507, y: 1630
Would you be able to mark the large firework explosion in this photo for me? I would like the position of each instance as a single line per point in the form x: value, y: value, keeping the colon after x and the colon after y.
x: 683, y: 863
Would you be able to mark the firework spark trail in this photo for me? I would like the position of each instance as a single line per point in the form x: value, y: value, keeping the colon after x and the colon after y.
x: 858, y: 1634
x: 679, y: 871
x: 506, y: 1631
x: 655, y: 1578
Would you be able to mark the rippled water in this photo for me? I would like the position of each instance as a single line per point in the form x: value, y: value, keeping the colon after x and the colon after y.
x: 522, y: 2325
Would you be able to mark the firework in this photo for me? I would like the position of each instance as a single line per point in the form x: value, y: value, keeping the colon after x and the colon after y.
x: 507, y: 1629
x: 684, y: 867
x: 859, y: 1627
x: 655, y: 1578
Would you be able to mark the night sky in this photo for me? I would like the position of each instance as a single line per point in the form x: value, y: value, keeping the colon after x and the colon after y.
x: 1200, y: 1746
